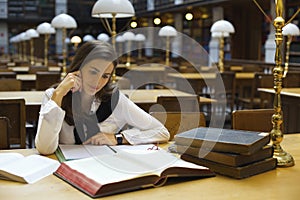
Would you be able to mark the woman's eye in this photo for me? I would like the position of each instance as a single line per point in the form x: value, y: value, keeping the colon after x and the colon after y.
x: 93, y: 72
x: 105, y: 76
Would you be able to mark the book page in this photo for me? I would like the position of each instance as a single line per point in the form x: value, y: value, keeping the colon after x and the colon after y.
x: 124, y: 166
x: 73, y: 152
x: 31, y: 168
x: 6, y: 158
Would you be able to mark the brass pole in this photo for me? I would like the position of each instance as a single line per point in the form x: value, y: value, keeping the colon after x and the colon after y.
x: 24, y: 51
x: 31, y: 52
x: 287, y: 55
x: 284, y: 159
x: 221, y: 54
x: 113, y: 41
x: 46, y: 49
x: 128, y: 54
x: 168, y: 51
x: 64, y: 53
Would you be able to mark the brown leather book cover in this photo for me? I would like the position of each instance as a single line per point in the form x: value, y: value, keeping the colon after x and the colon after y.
x: 224, y: 140
x: 234, y: 172
x: 230, y: 159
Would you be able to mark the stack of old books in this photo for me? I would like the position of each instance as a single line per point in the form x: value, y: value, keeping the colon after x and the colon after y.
x: 234, y: 153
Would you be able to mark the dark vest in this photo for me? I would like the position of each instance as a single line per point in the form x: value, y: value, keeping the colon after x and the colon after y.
x: 91, y: 121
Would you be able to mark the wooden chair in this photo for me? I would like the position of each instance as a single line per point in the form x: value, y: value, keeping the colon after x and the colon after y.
x: 253, y: 120
x: 177, y: 122
x: 8, y: 74
x: 179, y: 103
x: 9, y: 84
x: 260, y: 80
x: 44, y: 80
x: 4, y: 125
x: 14, y: 110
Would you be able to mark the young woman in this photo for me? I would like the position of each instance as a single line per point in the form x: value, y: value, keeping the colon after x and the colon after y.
x: 86, y: 108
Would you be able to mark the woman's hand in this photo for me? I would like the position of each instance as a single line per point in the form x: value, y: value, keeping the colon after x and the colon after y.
x: 71, y: 82
x: 102, y: 139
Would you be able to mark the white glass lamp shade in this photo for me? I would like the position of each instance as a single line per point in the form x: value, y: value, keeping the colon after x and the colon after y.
x: 45, y: 28
x: 75, y: 39
x: 222, y: 26
x: 140, y: 37
x: 103, y: 37
x: 167, y: 31
x: 129, y: 36
x: 219, y: 34
x: 24, y: 36
x: 31, y: 33
x: 105, y: 9
x: 290, y: 29
x: 63, y: 21
x: 120, y: 38
x: 87, y: 38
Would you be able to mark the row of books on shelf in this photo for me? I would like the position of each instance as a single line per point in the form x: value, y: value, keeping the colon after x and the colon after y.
x: 106, y: 170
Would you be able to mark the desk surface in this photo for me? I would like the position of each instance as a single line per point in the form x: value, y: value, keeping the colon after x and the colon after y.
x: 294, y: 92
x: 137, y: 96
x: 281, y: 183
x: 193, y: 75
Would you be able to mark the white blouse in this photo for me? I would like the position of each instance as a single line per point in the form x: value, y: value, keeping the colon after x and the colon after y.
x: 52, y: 128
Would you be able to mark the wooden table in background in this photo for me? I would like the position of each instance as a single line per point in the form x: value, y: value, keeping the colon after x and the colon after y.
x: 290, y: 103
x: 278, y: 184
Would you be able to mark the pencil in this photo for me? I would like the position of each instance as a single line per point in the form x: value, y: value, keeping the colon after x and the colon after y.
x: 111, y: 148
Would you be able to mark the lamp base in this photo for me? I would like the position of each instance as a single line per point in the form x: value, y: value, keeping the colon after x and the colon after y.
x: 284, y: 159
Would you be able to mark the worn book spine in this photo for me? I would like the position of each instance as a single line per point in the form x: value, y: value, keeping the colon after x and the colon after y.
x: 223, y: 140
x: 235, y: 172
x: 230, y: 159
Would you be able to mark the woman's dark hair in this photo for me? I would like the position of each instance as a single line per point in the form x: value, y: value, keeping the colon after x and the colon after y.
x: 87, y: 52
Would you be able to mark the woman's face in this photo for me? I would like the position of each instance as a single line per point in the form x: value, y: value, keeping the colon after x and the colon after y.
x: 95, y: 75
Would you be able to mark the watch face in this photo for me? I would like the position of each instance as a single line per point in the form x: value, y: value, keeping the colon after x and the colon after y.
x: 119, y: 138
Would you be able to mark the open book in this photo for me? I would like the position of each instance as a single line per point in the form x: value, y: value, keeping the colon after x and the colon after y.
x: 29, y: 169
x: 125, y: 171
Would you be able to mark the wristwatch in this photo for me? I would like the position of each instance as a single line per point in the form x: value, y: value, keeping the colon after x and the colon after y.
x: 119, y: 138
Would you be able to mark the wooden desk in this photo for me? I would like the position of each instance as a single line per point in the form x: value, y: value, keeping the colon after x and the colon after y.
x: 290, y: 103
x: 146, y: 98
x: 278, y: 184
x: 25, y: 69
x: 244, y: 82
x: 192, y: 81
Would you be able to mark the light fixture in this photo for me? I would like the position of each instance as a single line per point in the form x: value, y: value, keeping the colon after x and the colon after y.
x: 129, y: 37
x: 189, y: 16
x: 32, y: 33
x: 289, y: 30
x: 64, y: 21
x: 45, y: 29
x: 140, y: 38
x: 167, y: 31
x: 112, y: 9
x: 221, y: 29
x: 157, y: 21
x: 120, y: 40
x: 133, y: 24
x: 24, y: 39
x: 87, y: 38
x: 76, y: 40
x: 103, y: 37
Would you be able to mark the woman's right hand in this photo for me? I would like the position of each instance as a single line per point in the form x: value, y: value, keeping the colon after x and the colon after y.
x: 72, y: 82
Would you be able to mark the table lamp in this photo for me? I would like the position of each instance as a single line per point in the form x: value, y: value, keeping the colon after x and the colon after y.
x: 87, y: 38
x: 31, y: 33
x: 221, y: 29
x: 64, y: 21
x: 103, y: 37
x: 45, y: 29
x: 120, y: 40
x: 289, y: 30
x: 167, y: 31
x: 75, y: 40
x: 140, y: 38
x: 24, y: 39
x: 112, y: 9
x: 129, y: 37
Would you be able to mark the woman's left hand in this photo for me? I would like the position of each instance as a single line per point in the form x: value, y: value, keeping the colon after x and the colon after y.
x: 102, y: 139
